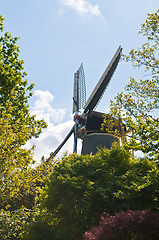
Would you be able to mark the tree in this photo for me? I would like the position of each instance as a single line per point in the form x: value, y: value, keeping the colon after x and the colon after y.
x: 126, y: 226
x: 14, y: 87
x: 139, y: 188
x: 20, y: 180
x: 140, y: 101
x: 14, y: 223
x: 80, y: 188
x: 17, y: 125
x: 19, y: 177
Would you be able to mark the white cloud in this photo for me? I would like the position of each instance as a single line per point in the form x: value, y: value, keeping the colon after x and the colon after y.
x: 50, y: 138
x: 57, y: 129
x: 83, y: 7
x: 43, y: 108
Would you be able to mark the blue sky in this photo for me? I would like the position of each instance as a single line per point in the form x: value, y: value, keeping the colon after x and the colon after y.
x: 56, y: 36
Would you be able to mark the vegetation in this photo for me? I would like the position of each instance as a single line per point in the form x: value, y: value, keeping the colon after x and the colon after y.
x: 19, y: 181
x: 126, y: 225
x: 17, y: 126
x: 81, y: 188
x: 14, y: 88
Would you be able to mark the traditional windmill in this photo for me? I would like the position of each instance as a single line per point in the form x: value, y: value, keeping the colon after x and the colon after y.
x: 87, y: 125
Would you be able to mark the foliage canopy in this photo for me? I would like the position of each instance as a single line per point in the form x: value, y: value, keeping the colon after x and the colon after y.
x: 19, y: 181
x: 81, y: 188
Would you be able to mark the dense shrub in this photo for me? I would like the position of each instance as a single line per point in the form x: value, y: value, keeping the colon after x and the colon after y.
x: 43, y: 231
x: 131, y: 225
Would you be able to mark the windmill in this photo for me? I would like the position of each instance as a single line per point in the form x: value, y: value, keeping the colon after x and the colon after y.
x: 88, y: 121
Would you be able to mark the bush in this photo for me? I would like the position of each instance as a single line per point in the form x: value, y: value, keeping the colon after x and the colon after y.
x: 130, y: 225
x: 44, y: 231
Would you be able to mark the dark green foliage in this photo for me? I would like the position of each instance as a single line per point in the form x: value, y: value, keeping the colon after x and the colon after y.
x: 41, y: 231
x: 44, y: 231
x: 140, y: 186
x: 82, y: 187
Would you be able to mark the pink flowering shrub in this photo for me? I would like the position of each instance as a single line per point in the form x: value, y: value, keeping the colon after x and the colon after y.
x: 131, y: 225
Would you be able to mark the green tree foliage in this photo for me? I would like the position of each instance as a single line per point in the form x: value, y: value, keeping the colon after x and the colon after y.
x: 18, y: 194
x: 20, y: 180
x: 140, y: 100
x: 17, y: 126
x: 14, y: 87
x: 19, y: 177
x: 139, y: 186
x: 42, y: 230
x: 13, y: 224
x: 81, y: 188
x: 14, y: 163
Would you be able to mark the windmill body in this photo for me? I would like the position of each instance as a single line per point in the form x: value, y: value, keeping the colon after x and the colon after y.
x: 95, y: 137
x: 87, y: 125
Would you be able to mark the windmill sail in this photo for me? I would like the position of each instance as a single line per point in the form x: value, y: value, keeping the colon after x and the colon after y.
x: 53, y: 154
x: 79, y: 100
x: 79, y: 94
x: 76, y: 94
x: 103, y: 83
